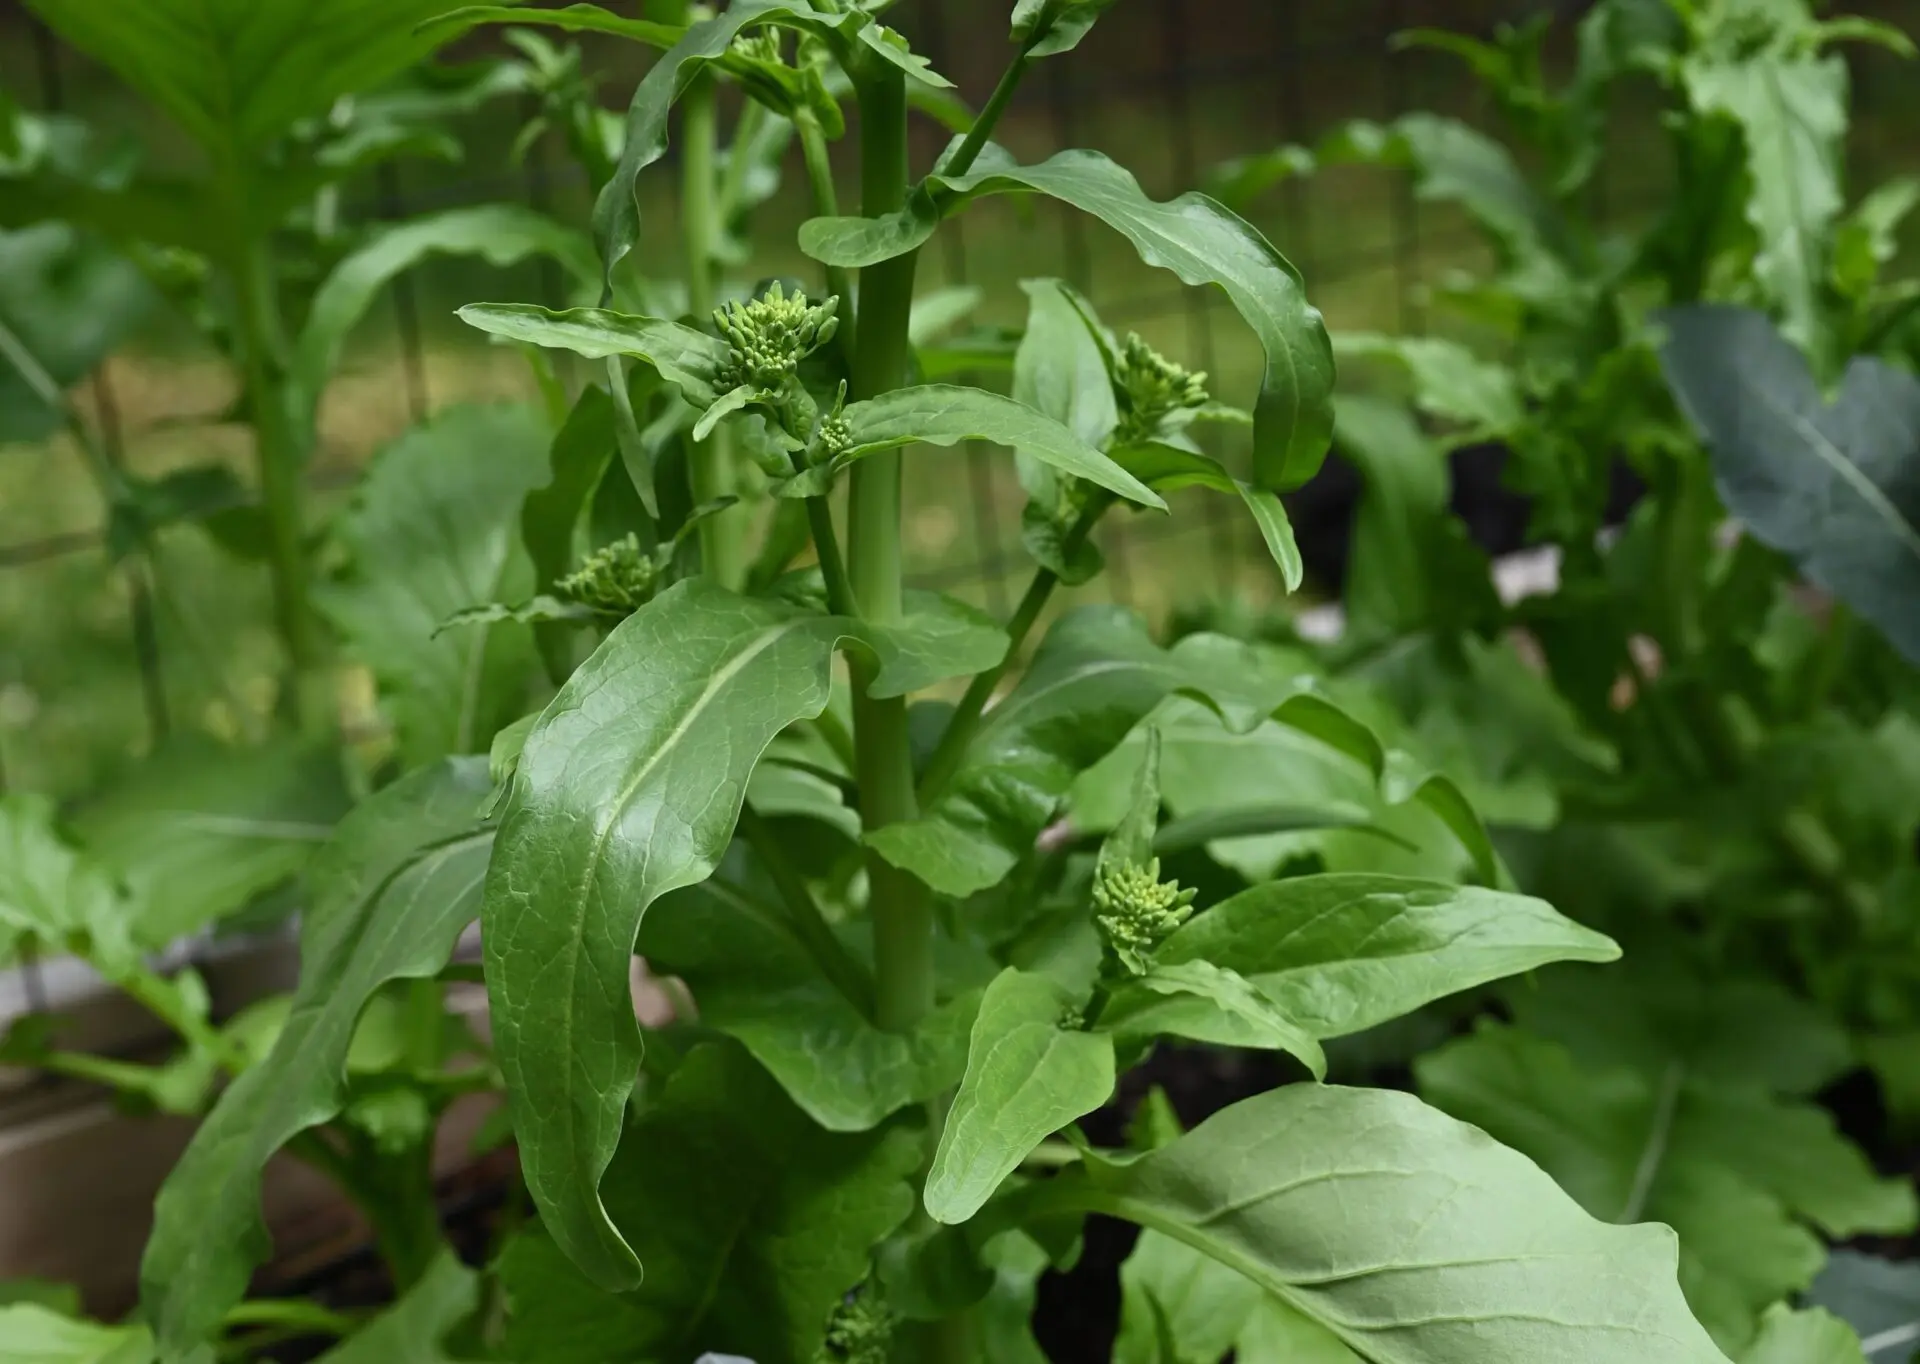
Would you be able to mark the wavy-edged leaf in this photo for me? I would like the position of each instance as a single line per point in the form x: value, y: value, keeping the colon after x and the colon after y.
x: 239, y: 73
x: 756, y: 982
x: 1230, y: 1005
x: 937, y: 638
x: 499, y: 234
x: 686, y: 358
x: 1030, y: 1072
x: 947, y: 414
x: 1810, y: 1337
x: 1792, y: 113
x: 195, y: 830
x: 1045, y: 28
x: 432, y: 530
x: 1685, y: 1132
x: 1196, y: 238
x: 628, y: 787
x: 1412, y: 1237
x: 753, y: 1224
x: 1835, y: 487
x: 1164, y: 467
x: 391, y: 894
x: 1341, y: 952
x: 53, y: 896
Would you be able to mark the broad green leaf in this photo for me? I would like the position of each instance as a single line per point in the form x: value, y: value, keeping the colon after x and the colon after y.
x: 1731, y: 1166
x: 1832, y: 486
x: 432, y: 531
x: 1044, y: 28
x: 1097, y: 673
x: 1406, y: 493
x: 195, y: 830
x: 1411, y: 1237
x: 1879, y: 1299
x: 1170, y: 1291
x: 1792, y: 113
x: 946, y: 414
x: 500, y: 234
x: 616, y: 215
x: 938, y: 638
x: 1130, y: 842
x: 687, y: 359
x: 753, y: 1224
x: 578, y: 18
x: 551, y: 514
x: 239, y: 73
x: 390, y: 896
x: 411, y: 1330
x: 939, y: 312
x: 1277, y: 1334
x: 1030, y: 1072
x: 54, y: 896
x: 33, y: 1334
x: 628, y: 787
x: 1342, y: 952
x: 756, y: 982
x: 1061, y: 368
x: 1810, y: 1337
x: 1196, y: 238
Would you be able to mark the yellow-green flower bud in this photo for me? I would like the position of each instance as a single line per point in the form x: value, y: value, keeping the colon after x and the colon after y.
x: 769, y: 336
x: 615, y: 580
x: 1152, y: 388
x: 1135, y: 911
x: 859, y: 1332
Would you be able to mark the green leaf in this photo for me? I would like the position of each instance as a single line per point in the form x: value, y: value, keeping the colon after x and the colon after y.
x: 628, y: 787
x: 1030, y: 1072
x: 1061, y: 368
x: 1230, y: 1007
x: 1792, y: 113
x: 752, y: 1222
x: 1407, y: 489
x: 431, y: 531
x: 572, y: 19
x: 1130, y: 842
x: 241, y: 74
x: 616, y: 215
x: 1277, y: 1334
x: 1879, y: 1299
x: 55, y: 897
x: 410, y: 1331
x: 1809, y: 1337
x: 938, y: 638
x: 1411, y: 1237
x: 195, y: 830
x: 1170, y: 1290
x: 1097, y: 673
x: 390, y: 896
x: 1196, y: 238
x: 1833, y: 487
x: 1686, y: 1132
x: 1044, y: 28
x: 33, y: 1334
x: 946, y: 414
x: 1164, y: 467
x: 500, y: 234
x: 1338, y: 953
x: 1449, y: 381
x: 686, y: 358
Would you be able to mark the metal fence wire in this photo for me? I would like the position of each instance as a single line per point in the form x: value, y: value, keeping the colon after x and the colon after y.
x: 1169, y: 87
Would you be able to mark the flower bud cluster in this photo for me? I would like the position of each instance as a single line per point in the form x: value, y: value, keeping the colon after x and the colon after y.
x: 615, y: 580
x: 768, y: 337
x: 1152, y: 388
x: 860, y: 1331
x: 1135, y: 911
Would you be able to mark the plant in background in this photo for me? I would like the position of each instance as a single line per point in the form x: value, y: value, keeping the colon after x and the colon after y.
x: 1716, y: 773
x: 861, y: 1141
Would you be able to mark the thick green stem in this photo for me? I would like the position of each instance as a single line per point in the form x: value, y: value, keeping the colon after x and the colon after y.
x: 281, y: 454
x: 965, y: 720
x: 711, y: 468
x: 902, y: 917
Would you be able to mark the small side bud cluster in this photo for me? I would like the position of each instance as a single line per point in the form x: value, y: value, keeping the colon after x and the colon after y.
x: 860, y: 1331
x: 1152, y: 388
x: 1135, y: 911
x: 615, y: 580
x: 769, y: 336
x: 762, y: 45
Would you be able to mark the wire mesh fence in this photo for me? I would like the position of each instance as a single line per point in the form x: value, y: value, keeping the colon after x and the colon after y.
x: 1168, y: 87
